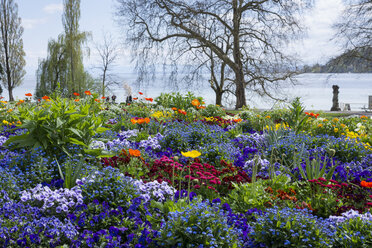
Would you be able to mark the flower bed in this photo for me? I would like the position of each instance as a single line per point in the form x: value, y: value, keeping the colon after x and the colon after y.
x: 179, y: 174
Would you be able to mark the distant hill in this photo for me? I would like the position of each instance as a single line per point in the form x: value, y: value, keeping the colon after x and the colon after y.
x: 353, y: 61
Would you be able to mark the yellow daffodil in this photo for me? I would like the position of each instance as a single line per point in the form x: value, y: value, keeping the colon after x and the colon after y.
x: 191, y: 154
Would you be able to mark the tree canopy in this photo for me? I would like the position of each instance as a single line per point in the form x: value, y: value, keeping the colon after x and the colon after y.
x: 246, y: 36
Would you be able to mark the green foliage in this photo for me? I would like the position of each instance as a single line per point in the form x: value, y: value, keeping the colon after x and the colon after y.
x: 212, y: 111
x: 73, y: 171
x: 109, y: 185
x: 291, y: 228
x: 354, y: 233
x: 56, y: 124
x: 247, y: 196
x: 314, y: 168
x: 197, y: 224
x: 135, y: 167
x: 143, y: 135
x: 322, y: 200
x: 176, y: 100
x: 296, y: 118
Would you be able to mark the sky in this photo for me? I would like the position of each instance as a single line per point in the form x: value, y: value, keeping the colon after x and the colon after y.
x: 42, y: 21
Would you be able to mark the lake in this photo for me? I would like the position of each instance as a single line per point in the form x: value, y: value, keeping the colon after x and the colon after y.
x: 314, y: 89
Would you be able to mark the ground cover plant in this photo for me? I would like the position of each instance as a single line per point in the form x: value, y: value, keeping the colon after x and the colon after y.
x: 172, y: 172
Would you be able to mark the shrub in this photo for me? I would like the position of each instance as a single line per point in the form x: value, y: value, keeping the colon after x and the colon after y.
x: 198, y: 224
x: 176, y: 100
x: 291, y: 228
x: 248, y: 195
x: 108, y: 185
x: 354, y: 230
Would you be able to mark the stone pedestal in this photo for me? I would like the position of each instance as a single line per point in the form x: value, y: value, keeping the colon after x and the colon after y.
x: 335, y: 104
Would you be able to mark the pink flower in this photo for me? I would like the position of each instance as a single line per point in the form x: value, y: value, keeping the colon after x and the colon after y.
x: 322, y: 179
x: 344, y: 184
x: 197, y: 186
x: 213, y: 181
x: 210, y: 187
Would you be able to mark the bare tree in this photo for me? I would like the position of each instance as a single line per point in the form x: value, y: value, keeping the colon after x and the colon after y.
x: 354, y: 30
x: 253, y: 31
x: 11, y: 47
x: 108, y: 52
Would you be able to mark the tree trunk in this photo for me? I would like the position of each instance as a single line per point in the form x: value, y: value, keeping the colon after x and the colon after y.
x: 239, y: 74
x: 11, y: 98
x: 240, y: 92
x: 219, y: 94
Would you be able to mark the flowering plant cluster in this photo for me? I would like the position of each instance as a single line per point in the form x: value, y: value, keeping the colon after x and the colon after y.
x: 155, y: 190
x: 58, y: 201
x: 144, y: 175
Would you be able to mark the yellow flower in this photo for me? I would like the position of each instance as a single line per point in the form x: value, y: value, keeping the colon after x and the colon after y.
x: 320, y: 125
x: 335, y: 120
x: 343, y: 125
x: 5, y: 122
x: 336, y: 130
x: 191, y: 154
x: 268, y: 117
x: 5, y: 102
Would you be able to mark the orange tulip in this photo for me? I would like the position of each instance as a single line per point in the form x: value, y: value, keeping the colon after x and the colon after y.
x: 87, y: 92
x: 140, y: 93
x: 182, y: 112
x: 76, y: 100
x: 135, y: 98
x: 45, y: 98
x: 174, y: 109
x: 195, y: 102
x: 147, y: 120
x: 103, y: 97
x: 97, y: 100
x: 28, y: 94
x: 134, y: 121
x: 21, y: 101
x: 134, y: 153
x: 366, y: 184
x: 149, y: 99
x: 76, y: 94
x: 141, y: 121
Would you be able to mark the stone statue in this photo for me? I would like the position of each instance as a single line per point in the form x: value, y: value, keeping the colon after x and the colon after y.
x: 335, y: 105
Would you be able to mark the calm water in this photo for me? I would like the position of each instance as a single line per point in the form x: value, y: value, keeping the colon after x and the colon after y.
x: 315, y: 91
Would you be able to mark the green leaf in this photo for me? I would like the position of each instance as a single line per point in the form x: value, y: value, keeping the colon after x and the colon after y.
x: 77, y: 142
x: 75, y: 131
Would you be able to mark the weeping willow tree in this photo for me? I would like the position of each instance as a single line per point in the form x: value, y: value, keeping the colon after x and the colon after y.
x: 63, y: 66
x: 53, y: 69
